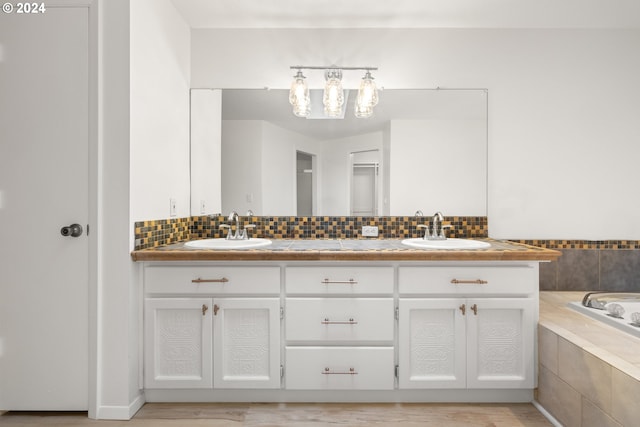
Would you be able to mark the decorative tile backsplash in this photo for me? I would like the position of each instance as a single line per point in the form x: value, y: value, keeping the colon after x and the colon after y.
x: 149, y: 234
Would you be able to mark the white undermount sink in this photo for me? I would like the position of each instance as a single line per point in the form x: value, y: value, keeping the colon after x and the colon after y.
x: 228, y: 244
x: 446, y: 244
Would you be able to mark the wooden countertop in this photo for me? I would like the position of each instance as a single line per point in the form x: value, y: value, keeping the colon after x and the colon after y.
x: 348, y: 250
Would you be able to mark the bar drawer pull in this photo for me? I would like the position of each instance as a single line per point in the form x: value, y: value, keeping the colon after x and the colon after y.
x: 469, y: 282
x: 347, y: 282
x: 328, y: 371
x: 199, y: 280
x: 326, y: 321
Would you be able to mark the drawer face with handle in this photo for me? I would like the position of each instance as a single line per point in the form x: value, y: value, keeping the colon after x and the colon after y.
x: 339, y: 280
x: 339, y: 319
x: 339, y: 368
x: 507, y: 280
x: 211, y: 279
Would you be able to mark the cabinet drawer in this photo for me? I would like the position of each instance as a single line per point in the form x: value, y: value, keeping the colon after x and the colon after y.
x: 507, y: 280
x: 211, y: 279
x: 339, y: 319
x: 339, y: 368
x: 339, y: 280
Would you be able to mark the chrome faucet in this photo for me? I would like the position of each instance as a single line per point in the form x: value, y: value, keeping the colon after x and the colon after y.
x: 240, y: 233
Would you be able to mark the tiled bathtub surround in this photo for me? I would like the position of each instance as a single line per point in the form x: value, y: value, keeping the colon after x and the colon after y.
x: 149, y: 234
x: 589, y: 374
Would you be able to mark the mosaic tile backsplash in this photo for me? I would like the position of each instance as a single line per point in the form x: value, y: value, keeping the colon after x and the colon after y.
x: 149, y: 234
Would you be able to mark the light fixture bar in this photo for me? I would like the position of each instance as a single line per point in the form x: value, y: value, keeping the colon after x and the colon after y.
x: 331, y: 67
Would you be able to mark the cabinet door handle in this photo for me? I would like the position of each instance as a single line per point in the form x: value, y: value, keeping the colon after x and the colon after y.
x: 474, y: 308
x: 204, y: 309
x: 326, y: 321
x: 328, y: 371
x: 346, y: 282
x: 469, y: 282
x: 216, y: 307
x: 199, y: 280
x: 463, y: 309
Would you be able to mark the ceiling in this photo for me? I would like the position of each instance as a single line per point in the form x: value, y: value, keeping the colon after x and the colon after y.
x: 410, y: 13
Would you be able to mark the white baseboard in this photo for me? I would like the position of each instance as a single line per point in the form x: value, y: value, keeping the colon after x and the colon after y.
x: 546, y: 414
x: 121, y: 412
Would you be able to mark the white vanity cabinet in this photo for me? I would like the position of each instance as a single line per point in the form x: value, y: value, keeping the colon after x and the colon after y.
x: 335, y: 331
x: 207, y: 326
x: 467, y: 327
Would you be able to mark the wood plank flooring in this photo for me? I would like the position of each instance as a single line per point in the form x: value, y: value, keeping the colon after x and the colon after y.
x: 301, y: 414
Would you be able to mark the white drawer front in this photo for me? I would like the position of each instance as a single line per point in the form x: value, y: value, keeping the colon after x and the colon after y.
x: 339, y: 319
x: 339, y: 368
x: 211, y: 280
x: 507, y: 280
x: 339, y: 280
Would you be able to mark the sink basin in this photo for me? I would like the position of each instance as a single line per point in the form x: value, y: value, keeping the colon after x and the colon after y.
x: 446, y: 244
x: 227, y: 244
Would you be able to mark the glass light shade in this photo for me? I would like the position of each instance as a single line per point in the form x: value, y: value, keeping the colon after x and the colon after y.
x: 333, y: 98
x: 368, y: 92
x: 363, y: 111
x: 299, y: 96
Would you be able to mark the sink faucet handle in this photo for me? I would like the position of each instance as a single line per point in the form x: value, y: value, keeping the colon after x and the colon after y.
x: 246, y: 230
x: 426, y: 231
x: 227, y: 227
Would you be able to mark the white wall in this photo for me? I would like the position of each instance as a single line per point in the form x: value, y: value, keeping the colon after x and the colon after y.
x: 563, y: 108
x: 160, y: 82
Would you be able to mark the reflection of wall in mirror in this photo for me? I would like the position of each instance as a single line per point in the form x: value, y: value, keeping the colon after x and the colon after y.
x: 431, y: 163
x: 259, y: 167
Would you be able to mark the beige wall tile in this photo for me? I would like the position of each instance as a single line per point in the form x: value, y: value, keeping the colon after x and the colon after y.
x: 586, y: 373
x: 548, y: 349
x: 557, y: 397
x: 626, y: 392
x: 592, y: 416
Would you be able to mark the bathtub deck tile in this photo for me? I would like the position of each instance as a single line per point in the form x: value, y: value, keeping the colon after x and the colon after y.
x: 613, y: 346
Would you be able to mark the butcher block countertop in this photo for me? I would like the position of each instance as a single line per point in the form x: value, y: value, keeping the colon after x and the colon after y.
x: 347, y: 250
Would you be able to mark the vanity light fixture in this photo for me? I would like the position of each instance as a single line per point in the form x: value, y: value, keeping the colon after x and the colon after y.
x: 333, y: 96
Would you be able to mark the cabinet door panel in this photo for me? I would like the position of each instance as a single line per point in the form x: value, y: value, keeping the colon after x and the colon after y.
x: 247, y: 343
x: 177, y: 343
x: 501, y: 347
x: 432, y: 350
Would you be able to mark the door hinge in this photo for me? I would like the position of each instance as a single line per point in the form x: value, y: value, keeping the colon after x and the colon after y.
x: 397, y: 371
x: 281, y: 313
x: 281, y: 371
x: 397, y: 313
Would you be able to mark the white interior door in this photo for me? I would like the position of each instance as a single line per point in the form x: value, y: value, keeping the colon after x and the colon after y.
x: 43, y: 187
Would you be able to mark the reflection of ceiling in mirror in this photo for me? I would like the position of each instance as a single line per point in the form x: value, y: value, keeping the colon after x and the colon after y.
x: 406, y: 104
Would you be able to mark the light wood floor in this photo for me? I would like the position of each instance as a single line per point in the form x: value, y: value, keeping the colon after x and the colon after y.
x: 301, y: 414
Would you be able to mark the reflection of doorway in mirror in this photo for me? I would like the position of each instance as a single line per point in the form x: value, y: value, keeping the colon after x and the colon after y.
x: 364, y: 183
x: 304, y: 184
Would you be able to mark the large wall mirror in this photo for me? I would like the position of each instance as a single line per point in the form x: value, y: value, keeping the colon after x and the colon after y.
x: 422, y: 150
